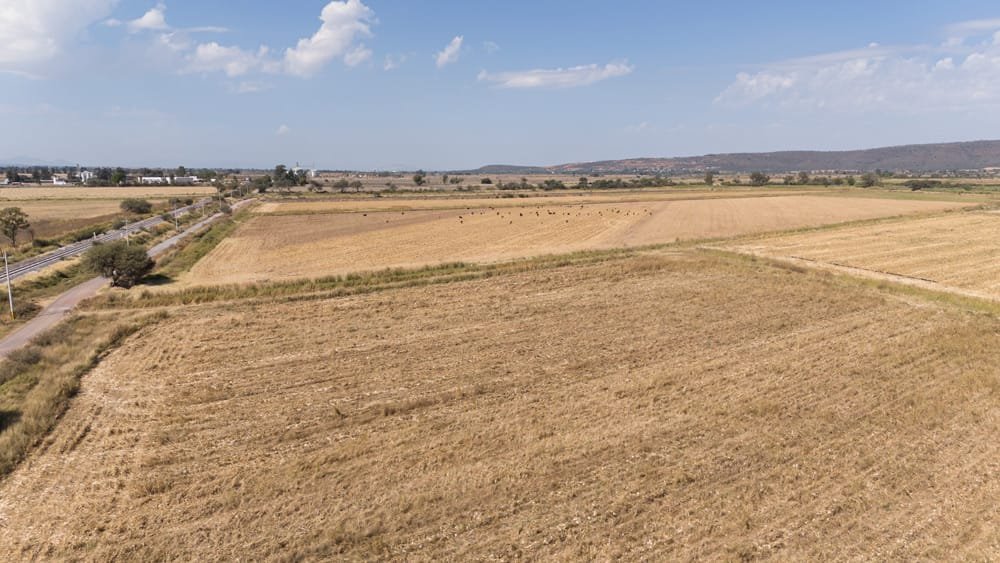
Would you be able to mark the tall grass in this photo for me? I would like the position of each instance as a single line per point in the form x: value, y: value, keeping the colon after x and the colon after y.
x: 38, y: 381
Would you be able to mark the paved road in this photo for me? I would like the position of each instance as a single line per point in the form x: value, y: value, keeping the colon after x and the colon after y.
x: 58, y: 309
x: 42, y: 261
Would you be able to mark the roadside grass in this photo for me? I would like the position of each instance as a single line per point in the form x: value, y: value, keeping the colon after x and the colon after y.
x: 188, y: 253
x: 38, y: 381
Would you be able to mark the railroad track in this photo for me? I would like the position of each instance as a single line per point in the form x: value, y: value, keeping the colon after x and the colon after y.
x: 42, y: 261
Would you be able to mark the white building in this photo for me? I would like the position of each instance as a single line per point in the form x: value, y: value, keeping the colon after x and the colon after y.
x: 86, y: 175
x: 153, y: 180
x: 186, y: 180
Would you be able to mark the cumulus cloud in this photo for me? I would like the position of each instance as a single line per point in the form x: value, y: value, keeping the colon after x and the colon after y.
x: 212, y: 57
x: 559, y: 77
x: 906, y: 78
x: 283, y: 130
x: 450, y: 53
x: 34, y: 31
x: 153, y: 20
x: 343, y: 23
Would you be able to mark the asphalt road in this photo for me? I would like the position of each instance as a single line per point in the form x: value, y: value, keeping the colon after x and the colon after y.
x: 42, y: 261
x: 66, y: 302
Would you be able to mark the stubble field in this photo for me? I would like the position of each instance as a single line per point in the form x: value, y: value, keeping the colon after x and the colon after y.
x: 955, y: 251
x: 56, y: 211
x: 282, y: 244
x: 68, y: 193
x: 663, y: 406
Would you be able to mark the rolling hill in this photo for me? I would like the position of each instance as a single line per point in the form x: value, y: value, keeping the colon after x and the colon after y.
x: 917, y: 158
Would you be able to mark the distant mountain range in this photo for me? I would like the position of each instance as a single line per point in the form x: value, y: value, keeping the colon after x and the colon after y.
x: 972, y: 155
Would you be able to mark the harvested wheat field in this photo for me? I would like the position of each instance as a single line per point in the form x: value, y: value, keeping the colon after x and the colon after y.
x: 663, y: 407
x: 408, y: 203
x: 951, y: 251
x: 39, y: 192
x: 275, y: 247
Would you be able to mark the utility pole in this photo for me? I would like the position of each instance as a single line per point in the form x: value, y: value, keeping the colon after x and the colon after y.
x: 176, y: 228
x: 10, y: 293
x: 126, y: 233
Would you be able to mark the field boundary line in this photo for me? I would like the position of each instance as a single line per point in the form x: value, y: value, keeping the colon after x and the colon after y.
x: 862, y: 274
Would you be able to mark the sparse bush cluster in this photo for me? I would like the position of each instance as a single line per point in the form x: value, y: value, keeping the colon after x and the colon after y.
x: 136, y: 206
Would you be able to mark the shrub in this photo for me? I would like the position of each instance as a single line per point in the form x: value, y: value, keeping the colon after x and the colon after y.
x: 136, y: 205
x: 124, y: 264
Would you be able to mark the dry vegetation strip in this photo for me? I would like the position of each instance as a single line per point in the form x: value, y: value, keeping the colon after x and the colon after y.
x: 663, y: 407
x: 955, y: 250
x: 37, y: 382
x: 288, y: 247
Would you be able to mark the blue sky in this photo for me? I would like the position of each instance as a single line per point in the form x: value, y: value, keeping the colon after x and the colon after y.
x: 458, y: 84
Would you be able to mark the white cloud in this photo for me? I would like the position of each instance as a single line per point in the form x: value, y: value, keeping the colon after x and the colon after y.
x: 357, y: 56
x: 450, y: 53
x: 392, y: 62
x: 33, y: 31
x: 153, y: 20
x: 908, y: 79
x: 212, y: 57
x: 283, y: 130
x: 973, y: 27
x: 490, y: 47
x: 249, y: 87
x: 343, y: 23
x: 559, y: 77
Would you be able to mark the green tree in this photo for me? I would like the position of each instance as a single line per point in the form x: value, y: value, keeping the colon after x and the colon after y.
x: 262, y: 184
x: 136, y: 205
x: 13, y: 221
x: 181, y: 171
x: 759, y: 179
x: 123, y: 264
x: 803, y: 178
x: 710, y: 178
x: 420, y: 178
x: 118, y: 177
x: 868, y: 180
x: 583, y: 183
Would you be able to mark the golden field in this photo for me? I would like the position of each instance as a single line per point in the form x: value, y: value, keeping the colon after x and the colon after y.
x: 158, y: 192
x: 56, y: 211
x: 956, y: 251
x: 653, y: 403
x: 280, y: 244
x: 661, y: 406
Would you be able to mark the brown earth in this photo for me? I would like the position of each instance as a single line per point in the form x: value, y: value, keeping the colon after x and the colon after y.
x: 663, y: 407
